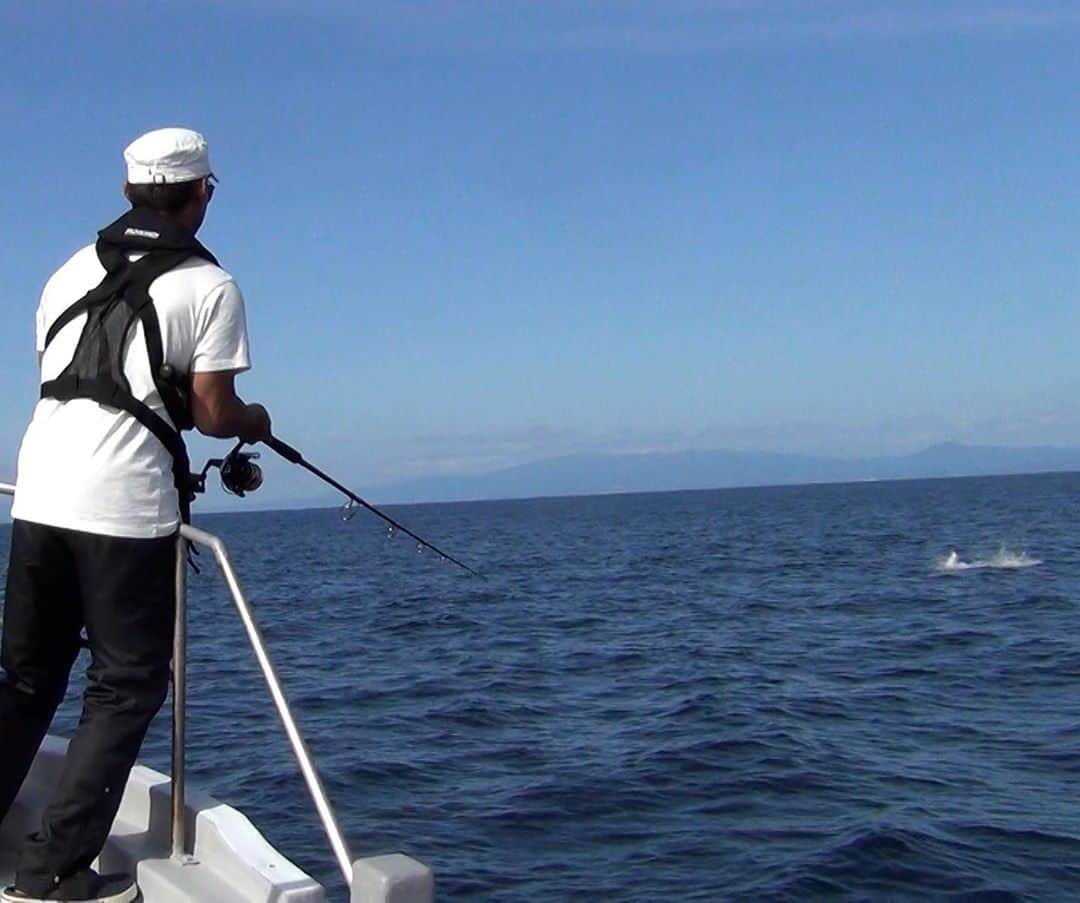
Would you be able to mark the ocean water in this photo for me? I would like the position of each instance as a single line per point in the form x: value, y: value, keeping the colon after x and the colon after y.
x: 843, y: 692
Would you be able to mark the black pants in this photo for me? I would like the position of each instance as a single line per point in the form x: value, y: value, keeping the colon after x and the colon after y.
x: 123, y: 592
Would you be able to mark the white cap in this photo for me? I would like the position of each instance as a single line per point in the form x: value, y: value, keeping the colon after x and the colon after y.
x: 167, y: 155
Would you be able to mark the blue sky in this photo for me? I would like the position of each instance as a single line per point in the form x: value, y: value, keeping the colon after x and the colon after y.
x: 472, y: 234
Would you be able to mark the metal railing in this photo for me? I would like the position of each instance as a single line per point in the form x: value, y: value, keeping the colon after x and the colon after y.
x: 189, y: 534
x: 300, y: 750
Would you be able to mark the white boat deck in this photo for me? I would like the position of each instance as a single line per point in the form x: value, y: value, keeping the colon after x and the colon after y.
x: 230, y: 860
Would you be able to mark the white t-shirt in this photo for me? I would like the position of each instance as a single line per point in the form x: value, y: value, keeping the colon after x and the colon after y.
x: 88, y: 467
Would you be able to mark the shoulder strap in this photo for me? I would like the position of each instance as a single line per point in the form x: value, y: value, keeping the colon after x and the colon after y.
x: 139, y: 229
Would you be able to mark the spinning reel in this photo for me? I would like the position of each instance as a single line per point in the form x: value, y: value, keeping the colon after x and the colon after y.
x: 239, y: 472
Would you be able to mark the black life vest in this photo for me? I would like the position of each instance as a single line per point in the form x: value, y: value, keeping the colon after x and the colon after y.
x: 96, y: 370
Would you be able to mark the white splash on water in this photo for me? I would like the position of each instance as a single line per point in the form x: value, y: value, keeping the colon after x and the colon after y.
x: 1003, y: 560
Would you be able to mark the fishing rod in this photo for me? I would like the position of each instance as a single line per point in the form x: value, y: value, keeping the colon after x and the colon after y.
x: 239, y: 475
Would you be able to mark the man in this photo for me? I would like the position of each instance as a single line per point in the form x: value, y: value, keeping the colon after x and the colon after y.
x: 138, y: 336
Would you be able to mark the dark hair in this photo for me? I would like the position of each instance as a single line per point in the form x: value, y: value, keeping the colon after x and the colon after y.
x: 168, y: 198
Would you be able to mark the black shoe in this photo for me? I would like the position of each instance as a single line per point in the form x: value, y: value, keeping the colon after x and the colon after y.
x: 86, y: 886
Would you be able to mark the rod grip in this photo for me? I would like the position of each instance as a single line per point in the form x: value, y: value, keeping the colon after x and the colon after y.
x: 286, y: 451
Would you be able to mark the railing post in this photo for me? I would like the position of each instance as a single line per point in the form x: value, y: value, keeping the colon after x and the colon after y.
x: 179, y: 670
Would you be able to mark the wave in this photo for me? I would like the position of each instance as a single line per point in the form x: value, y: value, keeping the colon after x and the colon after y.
x: 1003, y: 559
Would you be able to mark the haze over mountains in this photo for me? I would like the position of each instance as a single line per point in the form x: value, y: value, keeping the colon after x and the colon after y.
x: 591, y: 474
x: 716, y: 469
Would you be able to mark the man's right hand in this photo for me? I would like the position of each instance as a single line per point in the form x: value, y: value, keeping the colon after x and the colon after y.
x: 256, y: 426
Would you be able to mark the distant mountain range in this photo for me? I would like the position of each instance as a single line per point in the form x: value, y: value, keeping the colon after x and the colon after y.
x: 717, y: 469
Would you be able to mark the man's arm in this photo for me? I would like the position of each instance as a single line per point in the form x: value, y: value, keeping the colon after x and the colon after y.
x: 218, y: 411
